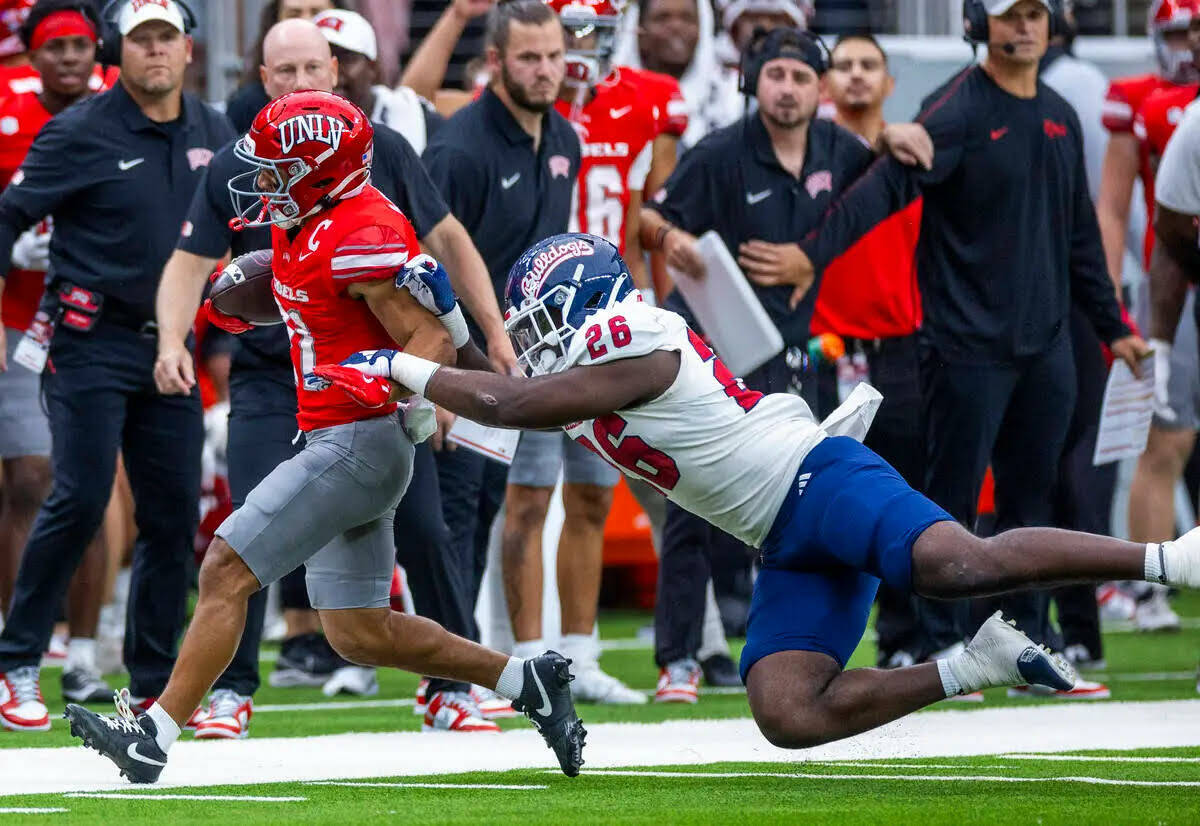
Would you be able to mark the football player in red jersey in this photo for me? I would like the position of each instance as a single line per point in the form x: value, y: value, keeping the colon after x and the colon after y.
x: 337, y: 245
x: 1173, y: 430
x: 1125, y: 158
x: 60, y: 39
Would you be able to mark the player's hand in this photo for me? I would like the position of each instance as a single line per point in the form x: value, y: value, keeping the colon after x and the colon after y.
x: 501, y: 354
x: 679, y: 248
x: 419, y: 419
x: 445, y: 421
x: 32, y: 250
x: 1131, y: 350
x: 228, y: 323
x: 908, y: 143
x: 174, y: 370
x: 3, y: 350
x: 470, y: 9
x: 1162, y: 378
x: 773, y: 265
x: 429, y: 284
x: 369, y: 391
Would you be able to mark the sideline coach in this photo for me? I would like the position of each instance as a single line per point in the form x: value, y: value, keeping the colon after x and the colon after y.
x: 117, y: 173
x: 1008, y: 241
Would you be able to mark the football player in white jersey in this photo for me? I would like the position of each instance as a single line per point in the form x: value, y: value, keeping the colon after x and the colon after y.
x: 829, y: 517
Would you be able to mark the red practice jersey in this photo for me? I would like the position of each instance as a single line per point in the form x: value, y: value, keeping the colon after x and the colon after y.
x: 364, y: 238
x: 617, y: 128
x: 1153, y: 125
x: 21, y: 117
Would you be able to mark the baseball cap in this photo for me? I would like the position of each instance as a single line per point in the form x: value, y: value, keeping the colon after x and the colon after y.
x: 349, y: 30
x: 137, y: 12
x: 995, y: 8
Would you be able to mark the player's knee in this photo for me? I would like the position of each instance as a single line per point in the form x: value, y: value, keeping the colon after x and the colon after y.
x: 224, y: 574
x: 787, y: 726
x: 525, y: 510
x: 27, y: 483
x: 1166, y: 452
x: 587, y: 503
x: 356, y: 639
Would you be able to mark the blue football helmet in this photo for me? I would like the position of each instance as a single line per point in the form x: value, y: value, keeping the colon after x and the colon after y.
x: 551, y: 291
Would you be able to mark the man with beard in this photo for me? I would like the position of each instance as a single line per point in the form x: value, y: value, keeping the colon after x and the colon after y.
x: 116, y: 172
x: 506, y: 165
x: 761, y: 184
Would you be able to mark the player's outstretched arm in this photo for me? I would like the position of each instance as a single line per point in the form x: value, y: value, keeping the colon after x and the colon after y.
x: 508, y: 401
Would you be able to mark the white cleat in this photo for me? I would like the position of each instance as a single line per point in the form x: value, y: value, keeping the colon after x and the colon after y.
x: 352, y: 679
x: 228, y: 716
x: 591, y: 685
x: 1181, y: 560
x: 1154, y: 613
x: 999, y: 654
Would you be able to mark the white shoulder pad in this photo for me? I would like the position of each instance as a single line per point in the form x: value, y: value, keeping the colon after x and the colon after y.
x: 628, y: 330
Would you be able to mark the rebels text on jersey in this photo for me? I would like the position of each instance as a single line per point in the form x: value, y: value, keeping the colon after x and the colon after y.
x: 364, y: 238
x: 725, y: 453
x: 616, y: 129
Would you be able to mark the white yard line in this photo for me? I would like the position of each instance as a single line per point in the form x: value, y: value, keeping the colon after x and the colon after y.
x: 32, y: 810
x: 934, y: 778
x: 884, y: 764
x: 333, y: 705
x: 1084, y: 758
x: 497, y: 786
x: 222, y: 798
x: 1048, y: 728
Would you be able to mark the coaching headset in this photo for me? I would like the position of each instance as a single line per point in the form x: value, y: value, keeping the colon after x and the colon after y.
x: 108, y: 51
x: 975, y: 22
x: 766, y: 46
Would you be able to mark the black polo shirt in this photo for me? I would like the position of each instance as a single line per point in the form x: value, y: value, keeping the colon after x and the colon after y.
x: 508, y: 196
x: 118, y: 186
x: 733, y: 183
x: 1009, y: 236
x: 396, y: 172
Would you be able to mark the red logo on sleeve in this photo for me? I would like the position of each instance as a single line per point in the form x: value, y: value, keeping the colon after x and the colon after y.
x: 1054, y: 130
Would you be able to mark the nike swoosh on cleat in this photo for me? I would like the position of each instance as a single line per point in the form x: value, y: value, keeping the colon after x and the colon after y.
x: 133, y: 752
x: 546, y: 707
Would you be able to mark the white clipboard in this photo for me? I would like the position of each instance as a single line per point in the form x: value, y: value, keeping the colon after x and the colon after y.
x: 725, y: 305
x: 493, y: 442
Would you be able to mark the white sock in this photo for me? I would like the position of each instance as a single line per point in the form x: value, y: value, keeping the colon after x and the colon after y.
x: 512, y: 679
x: 529, y: 649
x: 1156, y: 554
x: 581, y: 650
x: 167, y: 729
x: 949, y: 682
x: 81, y: 653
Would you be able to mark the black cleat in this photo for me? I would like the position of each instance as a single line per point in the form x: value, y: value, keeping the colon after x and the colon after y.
x: 124, y: 739
x: 546, y: 701
x: 721, y: 672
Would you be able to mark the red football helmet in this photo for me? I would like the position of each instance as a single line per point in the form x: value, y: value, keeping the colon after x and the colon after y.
x: 591, y: 29
x: 1168, y: 16
x: 314, y: 147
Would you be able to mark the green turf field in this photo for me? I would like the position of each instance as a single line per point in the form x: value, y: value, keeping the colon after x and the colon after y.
x: 1158, y: 786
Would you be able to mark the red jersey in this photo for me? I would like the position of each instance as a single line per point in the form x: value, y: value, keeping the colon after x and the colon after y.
x: 617, y: 128
x: 21, y: 117
x: 1153, y: 124
x: 364, y: 238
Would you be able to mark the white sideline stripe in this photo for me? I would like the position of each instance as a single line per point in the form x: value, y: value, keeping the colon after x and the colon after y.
x: 221, y: 798
x: 1084, y: 758
x: 936, y: 778
x: 936, y: 734
x: 32, y: 810
x: 334, y: 705
x: 884, y: 764
x: 498, y: 786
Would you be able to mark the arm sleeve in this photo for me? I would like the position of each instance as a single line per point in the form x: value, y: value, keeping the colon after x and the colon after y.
x: 1091, y: 287
x: 1177, y: 183
x: 687, y: 198
x: 887, y: 187
x: 372, y: 252
x: 419, y: 196
x: 47, y: 177
x: 206, y: 231
x: 458, y: 180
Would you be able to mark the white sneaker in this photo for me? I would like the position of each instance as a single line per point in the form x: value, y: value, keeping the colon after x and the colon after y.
x: 1154, y: 613
x: 592, y: 685
x: 999, y: 654
x: 352, y: 679
x: 491, y: 705
x: 1115, y: 605
x: 1081, y: 658
x: 21, y: 705
x: 228, y: 716
x: 455, y: 711
x: 679, y: 682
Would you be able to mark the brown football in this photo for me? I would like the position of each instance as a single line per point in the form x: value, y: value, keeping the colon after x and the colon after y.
x: 243, y: 290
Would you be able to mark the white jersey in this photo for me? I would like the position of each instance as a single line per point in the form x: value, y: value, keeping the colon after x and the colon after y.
x: 725, y: 453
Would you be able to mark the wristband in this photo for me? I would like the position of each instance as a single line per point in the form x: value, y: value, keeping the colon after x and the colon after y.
x: 661, y: 235
x: 413, y: 372
x: 456, y: 325
x: 1158, y: 345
